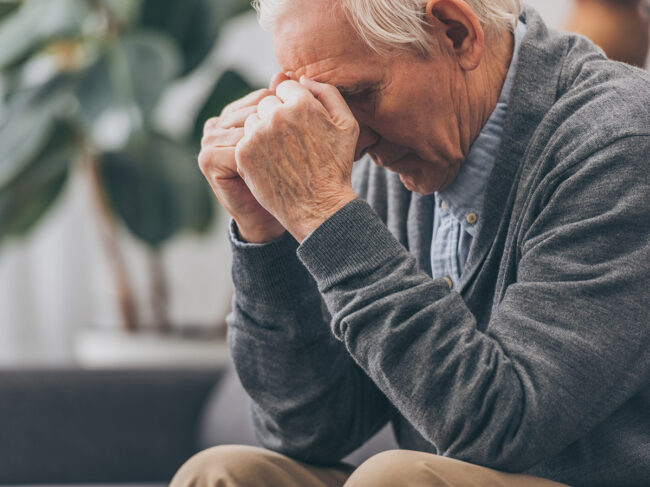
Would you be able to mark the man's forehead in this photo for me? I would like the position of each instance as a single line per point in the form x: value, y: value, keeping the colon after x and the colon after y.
x: 322, y: 47
x: 347, y: 77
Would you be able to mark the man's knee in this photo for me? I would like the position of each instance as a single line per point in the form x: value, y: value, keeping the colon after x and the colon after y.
x: 223, y: 466
x: 419, y: 469
x: 397, y: 467
x: 414, y: 469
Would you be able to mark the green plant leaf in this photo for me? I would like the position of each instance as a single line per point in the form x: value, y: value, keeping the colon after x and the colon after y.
x: 36, y: 149
x: 140, y: 196
x: 133, y: 72
x: 230, y: 87
x: 153, y: 61
x: 7, y: 6
x: 28, y: 122
x: 36, y: 23
x: 154, y: 192
x: 194, y: 24
x: 29, y: 195
x: 95, y: 92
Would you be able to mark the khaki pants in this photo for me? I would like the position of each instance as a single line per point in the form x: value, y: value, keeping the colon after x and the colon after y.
x: 244, y: 466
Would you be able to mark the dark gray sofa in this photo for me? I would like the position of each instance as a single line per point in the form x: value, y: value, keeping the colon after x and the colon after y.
x: 73, y: 426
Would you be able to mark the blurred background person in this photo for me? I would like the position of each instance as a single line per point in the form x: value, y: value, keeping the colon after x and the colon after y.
x: 619, y: 27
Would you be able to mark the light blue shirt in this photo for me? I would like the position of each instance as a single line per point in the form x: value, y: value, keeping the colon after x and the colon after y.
x: 458, y: 207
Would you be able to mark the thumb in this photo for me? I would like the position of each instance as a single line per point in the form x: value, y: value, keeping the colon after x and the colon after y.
x: 330, y: 98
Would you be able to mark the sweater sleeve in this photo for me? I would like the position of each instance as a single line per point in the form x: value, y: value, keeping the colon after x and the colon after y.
x: 309, y: 399
x: 567, y: 345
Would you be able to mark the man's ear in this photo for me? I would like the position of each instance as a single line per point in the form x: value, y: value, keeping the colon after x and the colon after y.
x: 461, y: 29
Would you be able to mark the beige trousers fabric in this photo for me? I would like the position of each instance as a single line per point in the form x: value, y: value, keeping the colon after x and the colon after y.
x: 245, y: 466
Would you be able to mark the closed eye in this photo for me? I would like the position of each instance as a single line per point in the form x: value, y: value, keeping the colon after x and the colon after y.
x: 359, y: 96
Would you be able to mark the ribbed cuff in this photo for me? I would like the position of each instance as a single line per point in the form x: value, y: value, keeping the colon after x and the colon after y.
x: 269, y: 272
x: 351, y: 242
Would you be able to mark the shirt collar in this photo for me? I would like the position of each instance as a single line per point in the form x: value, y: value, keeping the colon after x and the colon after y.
x: 464, y: 197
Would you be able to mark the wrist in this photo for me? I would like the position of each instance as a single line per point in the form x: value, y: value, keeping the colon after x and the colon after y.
x: 259, y: 234
x: 313, y: 218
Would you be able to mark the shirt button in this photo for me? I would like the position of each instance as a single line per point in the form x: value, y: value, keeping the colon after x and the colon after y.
x: 449, y: 282
x: 472, y: 218
x: 444, y: 206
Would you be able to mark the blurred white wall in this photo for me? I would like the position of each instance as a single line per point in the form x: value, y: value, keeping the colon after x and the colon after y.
x: 553, y: 11
x: 58, y: 280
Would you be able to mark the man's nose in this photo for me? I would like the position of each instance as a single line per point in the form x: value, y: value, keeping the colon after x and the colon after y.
x: 367, y: 138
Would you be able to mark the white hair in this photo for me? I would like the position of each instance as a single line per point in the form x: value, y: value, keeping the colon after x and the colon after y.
x: 386, y: 25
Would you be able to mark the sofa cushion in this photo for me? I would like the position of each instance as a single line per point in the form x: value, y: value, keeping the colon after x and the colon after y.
x: 80, y: 426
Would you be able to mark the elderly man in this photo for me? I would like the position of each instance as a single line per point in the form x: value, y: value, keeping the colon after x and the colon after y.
x: 480, y: 279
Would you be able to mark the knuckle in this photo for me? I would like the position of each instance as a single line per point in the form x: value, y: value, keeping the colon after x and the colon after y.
x: 205, y: 160
x: 263, y: 92
x: 250, y: 126
x: 209, y: 124
x: 229, y: 108
x: 286, y: 83
x: 220, y: 134
x: 216, y: 136
x: 242, y: 155
x: 207, y: 139
x: 242, y: 149
x: 266, y: 99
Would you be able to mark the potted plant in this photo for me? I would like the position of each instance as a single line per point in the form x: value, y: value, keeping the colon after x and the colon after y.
x: 79, y: 84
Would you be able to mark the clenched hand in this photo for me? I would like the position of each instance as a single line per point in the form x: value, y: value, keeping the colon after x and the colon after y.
x: 281, y: 158
x: 297, y: 153
x: 217, y: 161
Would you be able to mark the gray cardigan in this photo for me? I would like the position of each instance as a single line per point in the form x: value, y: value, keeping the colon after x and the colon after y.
x: 540, y: 361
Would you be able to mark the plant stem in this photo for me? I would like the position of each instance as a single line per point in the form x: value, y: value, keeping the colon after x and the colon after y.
x: 109, y: 237
x: 159, y: 291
